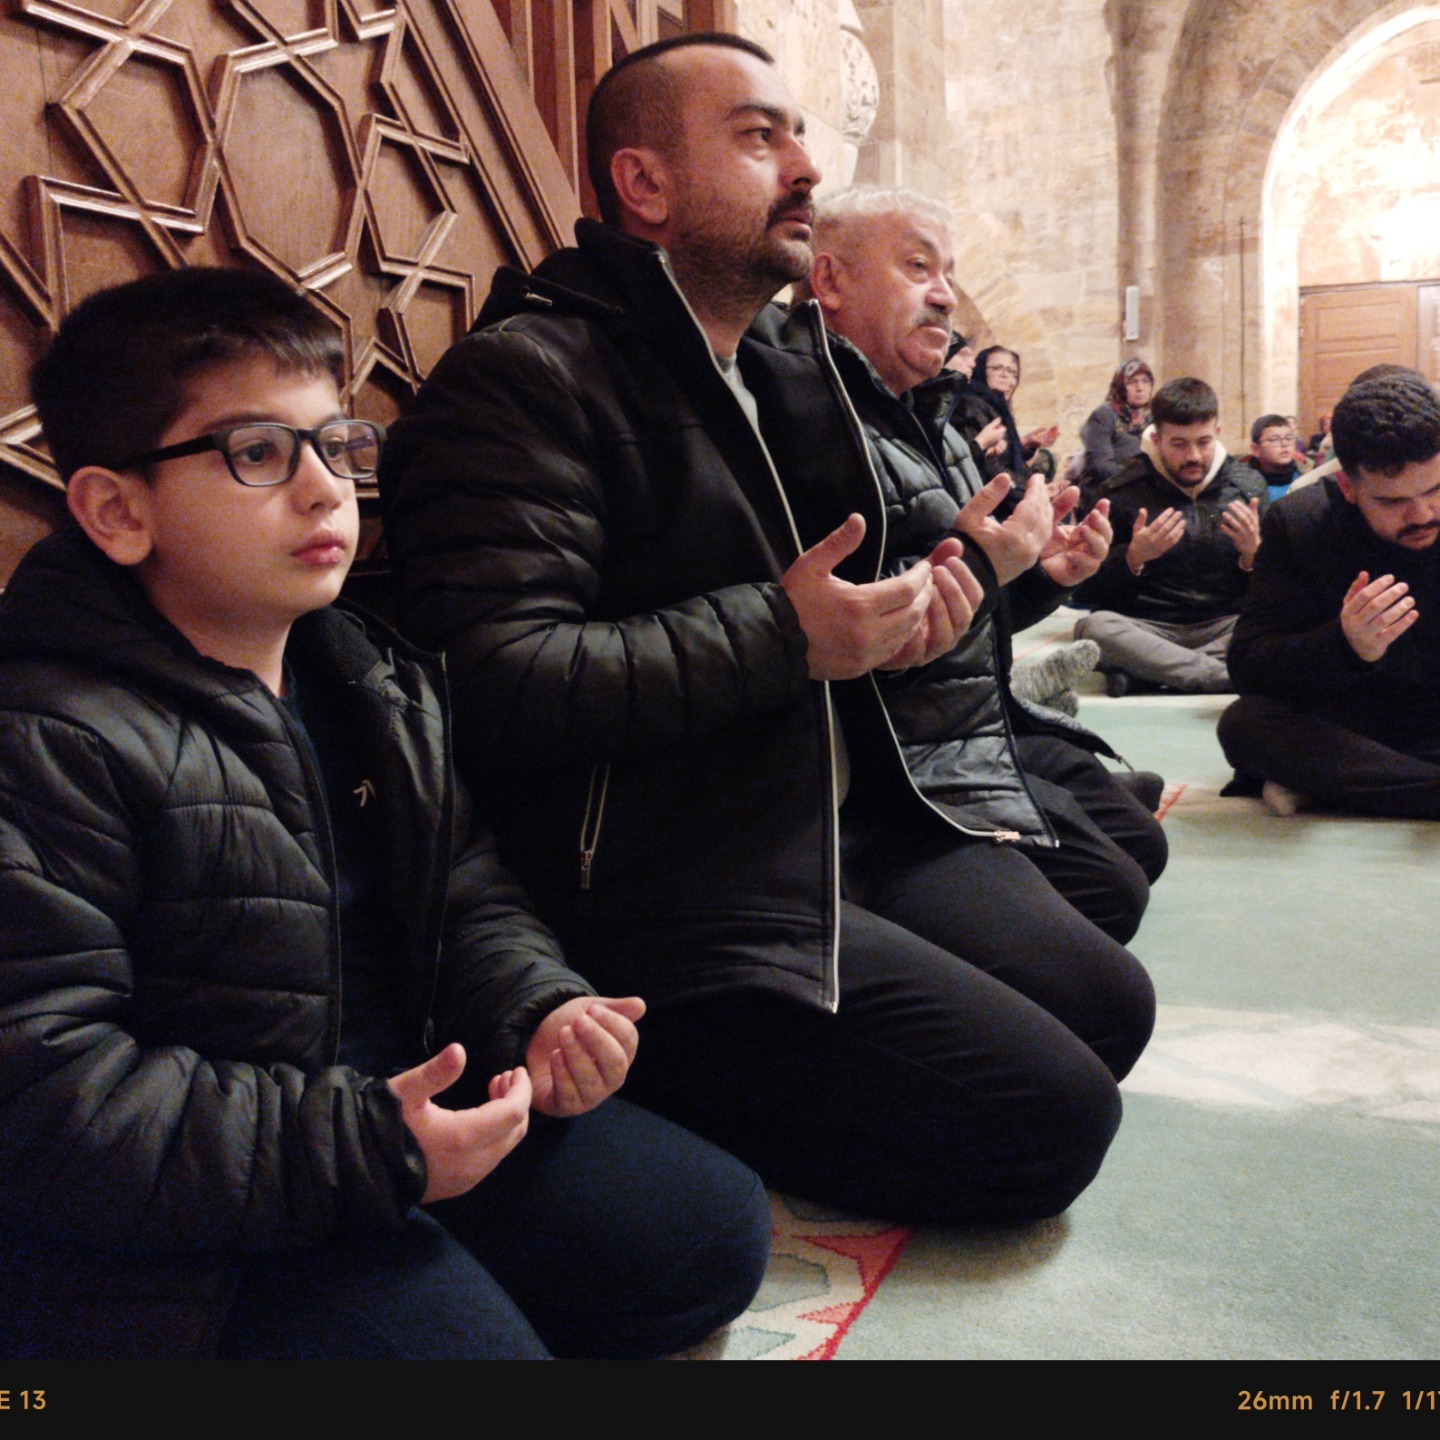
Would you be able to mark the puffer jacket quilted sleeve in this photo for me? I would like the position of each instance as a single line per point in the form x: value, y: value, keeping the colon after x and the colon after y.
x: 117, y: 1139
x: 501, y: 969
x: 535, y: 535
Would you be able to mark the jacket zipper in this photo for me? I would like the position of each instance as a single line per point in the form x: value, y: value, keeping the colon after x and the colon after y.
x: 997, y: 837
x: 445, y: 842
x: 302, y: 746
x: 594, y: 818
x: 830, y: 996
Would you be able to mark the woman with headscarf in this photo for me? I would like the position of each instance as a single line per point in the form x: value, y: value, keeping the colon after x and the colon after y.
x: 1111, y: 435
x: 987, y: 399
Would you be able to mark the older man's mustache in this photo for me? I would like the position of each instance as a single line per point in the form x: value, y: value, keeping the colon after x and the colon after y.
x: 933, y: 315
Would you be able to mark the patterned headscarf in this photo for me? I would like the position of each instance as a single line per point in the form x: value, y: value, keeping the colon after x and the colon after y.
x: 1132, y: 419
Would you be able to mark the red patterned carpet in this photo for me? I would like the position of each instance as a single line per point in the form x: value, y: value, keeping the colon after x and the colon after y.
x: 824, y: 1270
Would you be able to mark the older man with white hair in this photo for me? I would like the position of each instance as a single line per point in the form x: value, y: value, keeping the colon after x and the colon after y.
x: 1028, y: 803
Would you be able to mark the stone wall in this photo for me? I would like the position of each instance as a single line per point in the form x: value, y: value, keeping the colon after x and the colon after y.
x: 1089, y: 147
x: 1031, y: 116
x: 1235, y: 77
x: 1366, y: 172
x: 806, y: 39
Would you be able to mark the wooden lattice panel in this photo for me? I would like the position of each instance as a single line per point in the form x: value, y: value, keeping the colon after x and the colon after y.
x: 386, y: 159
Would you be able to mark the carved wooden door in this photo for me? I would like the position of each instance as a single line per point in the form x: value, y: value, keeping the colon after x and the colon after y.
x: 1346, y: 329
x: 385, y: 157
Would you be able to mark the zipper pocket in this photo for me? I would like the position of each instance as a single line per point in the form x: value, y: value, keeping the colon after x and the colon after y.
x: 590, y: 825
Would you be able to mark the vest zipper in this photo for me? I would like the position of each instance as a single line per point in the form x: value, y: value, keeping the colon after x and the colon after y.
x: 590, y: 833
x: 837, y: 385
x: 309, y: 762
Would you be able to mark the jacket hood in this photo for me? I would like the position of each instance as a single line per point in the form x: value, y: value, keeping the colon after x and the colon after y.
x: 1149, y: 447
x: 68, y: 602
x: 606, y: 275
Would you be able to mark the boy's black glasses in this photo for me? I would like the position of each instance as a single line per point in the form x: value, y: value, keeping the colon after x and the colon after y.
x: 268, y: 453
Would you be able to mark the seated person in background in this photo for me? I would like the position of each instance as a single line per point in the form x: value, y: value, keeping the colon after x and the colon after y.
x: 960, y: 355
x: 1318, y: 441
x: 1273, y: 455
x: 1186, y: 519
x: 1111, y: 435
x: 224, y: 803
x: 1337, y: 653
x: 883, y: 278
x: 986, y: 400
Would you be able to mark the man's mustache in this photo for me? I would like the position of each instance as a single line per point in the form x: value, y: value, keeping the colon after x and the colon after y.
x: 932, y: 315
x: 795, y: 207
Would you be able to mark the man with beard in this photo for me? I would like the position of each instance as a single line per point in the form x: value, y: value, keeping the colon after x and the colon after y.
x: 645, y: 530
x: 1186, y: 518
x: 1337, y: 656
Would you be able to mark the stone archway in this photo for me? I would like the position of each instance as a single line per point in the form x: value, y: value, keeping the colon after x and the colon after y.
x: 1220, y: 119
x: 1352, y: 194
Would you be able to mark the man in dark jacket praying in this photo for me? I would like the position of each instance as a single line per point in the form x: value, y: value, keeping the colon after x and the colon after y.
x: 1186, y: 518
x: 1337, y: 653
x: 643, y: 524
x: 996, y: 767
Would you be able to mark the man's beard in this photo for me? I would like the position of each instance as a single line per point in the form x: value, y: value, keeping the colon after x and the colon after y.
x: 1187, y: 477
x: 722, y: 270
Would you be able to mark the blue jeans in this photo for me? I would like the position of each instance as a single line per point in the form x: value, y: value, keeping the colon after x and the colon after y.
x: 615, y: 1234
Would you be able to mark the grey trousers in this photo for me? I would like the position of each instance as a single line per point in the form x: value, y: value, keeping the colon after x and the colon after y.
x: 1184, y: 657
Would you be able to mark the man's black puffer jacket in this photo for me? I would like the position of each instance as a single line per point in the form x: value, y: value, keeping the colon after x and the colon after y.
x: 1200, y: 577
x: 170, y: 967
x: 582, y: 517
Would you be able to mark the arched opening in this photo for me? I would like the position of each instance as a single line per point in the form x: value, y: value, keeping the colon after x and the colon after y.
x: 1351, y: 216
x: 1220, y: 121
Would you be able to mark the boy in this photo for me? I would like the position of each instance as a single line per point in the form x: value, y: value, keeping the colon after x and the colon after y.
x: 224, y: 806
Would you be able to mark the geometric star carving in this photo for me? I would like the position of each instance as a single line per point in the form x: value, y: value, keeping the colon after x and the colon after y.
x: 40, y: 276
x: 383, y: 161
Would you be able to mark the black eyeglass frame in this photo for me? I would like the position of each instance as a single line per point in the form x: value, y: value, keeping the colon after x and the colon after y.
x: 220, y: 440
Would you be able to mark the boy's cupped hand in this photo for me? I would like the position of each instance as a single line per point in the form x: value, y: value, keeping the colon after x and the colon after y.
x: 581, y: 1053
x: 461, y: 1147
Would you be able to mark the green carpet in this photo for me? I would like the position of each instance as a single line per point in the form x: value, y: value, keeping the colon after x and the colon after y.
x: 1272, y: 1192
